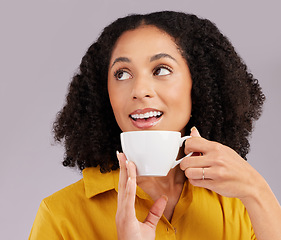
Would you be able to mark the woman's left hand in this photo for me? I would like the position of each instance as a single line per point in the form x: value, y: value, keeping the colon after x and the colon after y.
x: 222, y: 170
x: 218, y: 168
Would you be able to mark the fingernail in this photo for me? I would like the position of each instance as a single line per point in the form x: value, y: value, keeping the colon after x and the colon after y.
x: 165, y: 197
x: 117, y: 155
x: 196, y: 130
x: 193, y: 128
x: 127, y: 161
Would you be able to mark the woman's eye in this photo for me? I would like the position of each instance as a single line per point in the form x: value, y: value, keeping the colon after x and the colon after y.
x: 122, y: 75
x: 162, y: 71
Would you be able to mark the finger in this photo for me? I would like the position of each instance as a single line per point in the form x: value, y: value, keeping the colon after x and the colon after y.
x: 131, y: 190
x: 156, y: 211
x: 199, y: 144
x: 197, y: 173
x: 194, y: 132
x: 123, y: 176
x: 131, y: 170
x: 195, y: 162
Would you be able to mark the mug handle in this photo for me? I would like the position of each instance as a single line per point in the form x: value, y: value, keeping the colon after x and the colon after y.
x: 182, y: 140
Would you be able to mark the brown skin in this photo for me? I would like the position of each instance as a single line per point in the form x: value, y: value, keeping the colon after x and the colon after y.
x: 227, y: 174
x: 138, y: 87
x: 126, y: 200
x: 228, y: 178
x: 146, y: 83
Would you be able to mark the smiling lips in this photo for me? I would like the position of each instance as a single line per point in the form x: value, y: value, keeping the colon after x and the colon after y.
x: 145, y: 118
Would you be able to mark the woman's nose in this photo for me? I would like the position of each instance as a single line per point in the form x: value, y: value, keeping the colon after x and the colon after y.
x: 143, y: 88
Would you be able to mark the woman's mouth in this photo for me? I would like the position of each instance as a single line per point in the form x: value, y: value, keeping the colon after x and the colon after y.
x: 147, y: 115
x: 146, y: 119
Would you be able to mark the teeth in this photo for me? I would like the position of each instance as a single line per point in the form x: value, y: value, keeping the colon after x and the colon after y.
x: 147, y: 115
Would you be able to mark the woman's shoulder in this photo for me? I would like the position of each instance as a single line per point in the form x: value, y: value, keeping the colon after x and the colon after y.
x: 76, y: 207
x: 92, y: 184
x: 72, y: 191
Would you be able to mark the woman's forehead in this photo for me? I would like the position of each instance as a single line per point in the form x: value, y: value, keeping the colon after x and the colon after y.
x: 145, y: 40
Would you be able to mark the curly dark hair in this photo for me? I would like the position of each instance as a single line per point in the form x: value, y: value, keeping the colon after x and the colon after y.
x: 226, y: 98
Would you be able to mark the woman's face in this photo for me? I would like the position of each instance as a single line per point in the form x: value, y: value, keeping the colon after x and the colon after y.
x: 149, y: 82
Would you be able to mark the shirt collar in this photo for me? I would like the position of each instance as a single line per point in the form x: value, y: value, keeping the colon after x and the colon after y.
x: 96, y: 182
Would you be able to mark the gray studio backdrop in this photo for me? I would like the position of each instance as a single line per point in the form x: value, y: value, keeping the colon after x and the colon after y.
x: 42, y: 43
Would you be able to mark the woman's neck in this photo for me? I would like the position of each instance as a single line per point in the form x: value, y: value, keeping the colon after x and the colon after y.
x: 167, y: 183
x: 170, y: 185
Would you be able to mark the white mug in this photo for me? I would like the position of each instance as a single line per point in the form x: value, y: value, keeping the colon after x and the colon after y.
x: 153, y: 152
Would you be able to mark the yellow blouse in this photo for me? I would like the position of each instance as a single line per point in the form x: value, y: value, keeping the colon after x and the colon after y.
x: 87, y: 208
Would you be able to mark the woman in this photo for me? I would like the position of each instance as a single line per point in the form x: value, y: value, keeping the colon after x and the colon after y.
x: 161, y: 71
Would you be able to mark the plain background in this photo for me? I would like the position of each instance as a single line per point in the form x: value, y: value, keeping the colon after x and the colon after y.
x: 42, y: 43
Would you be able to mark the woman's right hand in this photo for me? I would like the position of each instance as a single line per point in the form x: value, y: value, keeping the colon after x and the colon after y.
x: 128, y: 226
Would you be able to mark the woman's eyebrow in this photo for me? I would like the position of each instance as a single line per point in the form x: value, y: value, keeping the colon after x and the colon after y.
x: 161, y: 55
x: 153, y: 58
x: 120, y: 59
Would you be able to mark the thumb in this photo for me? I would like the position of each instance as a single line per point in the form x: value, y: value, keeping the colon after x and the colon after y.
x: 156, y: 211
x: 194, y: 132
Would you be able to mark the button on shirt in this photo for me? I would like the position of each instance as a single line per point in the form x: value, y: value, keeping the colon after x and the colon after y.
x: 87, y: 208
